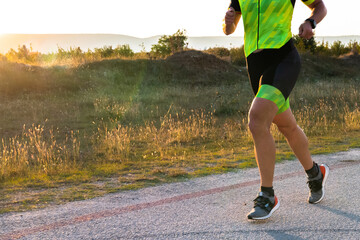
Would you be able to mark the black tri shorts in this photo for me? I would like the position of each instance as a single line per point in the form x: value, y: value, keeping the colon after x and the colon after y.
x: 273, y: 73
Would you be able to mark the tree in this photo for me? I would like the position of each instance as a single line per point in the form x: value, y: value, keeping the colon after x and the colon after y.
x: 170, y: 44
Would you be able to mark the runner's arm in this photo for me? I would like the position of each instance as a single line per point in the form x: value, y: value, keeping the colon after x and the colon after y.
x: 318, y: 12
x: 231, y: 21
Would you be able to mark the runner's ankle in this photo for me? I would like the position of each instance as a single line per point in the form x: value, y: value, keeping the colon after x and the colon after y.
x: 314, y: 171
x: 268, y: 190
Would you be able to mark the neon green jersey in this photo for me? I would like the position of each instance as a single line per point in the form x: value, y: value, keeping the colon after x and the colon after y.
x: 267, y: 23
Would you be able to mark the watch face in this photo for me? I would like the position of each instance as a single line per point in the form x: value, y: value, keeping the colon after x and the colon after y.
x: 312, y: 22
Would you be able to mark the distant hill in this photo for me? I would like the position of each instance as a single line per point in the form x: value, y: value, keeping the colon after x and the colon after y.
x: 50, y: 42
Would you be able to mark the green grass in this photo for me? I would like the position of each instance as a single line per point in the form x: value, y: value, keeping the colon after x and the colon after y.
x: 72, y: 133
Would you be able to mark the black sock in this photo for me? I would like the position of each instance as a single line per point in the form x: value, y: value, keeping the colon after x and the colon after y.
x: 314, y: 171
x: 268, y: 190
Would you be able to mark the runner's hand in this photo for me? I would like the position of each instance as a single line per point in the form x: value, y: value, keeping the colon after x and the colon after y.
x: 305, y: 30
x: 230, y: 16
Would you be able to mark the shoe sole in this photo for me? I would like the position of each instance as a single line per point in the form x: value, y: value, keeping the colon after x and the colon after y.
x: 327, y: 170
x: 269, y: 215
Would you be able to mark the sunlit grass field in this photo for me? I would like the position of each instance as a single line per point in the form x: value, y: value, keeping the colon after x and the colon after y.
x: 75, y: 132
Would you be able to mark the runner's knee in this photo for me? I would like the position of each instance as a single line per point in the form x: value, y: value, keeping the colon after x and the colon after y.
x: 258, y: 123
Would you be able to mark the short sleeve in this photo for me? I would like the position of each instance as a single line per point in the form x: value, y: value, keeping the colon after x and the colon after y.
x: 308, y: 2
x: 235, y: 5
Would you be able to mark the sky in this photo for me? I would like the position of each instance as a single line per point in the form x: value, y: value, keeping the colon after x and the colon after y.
x: 144, y: 18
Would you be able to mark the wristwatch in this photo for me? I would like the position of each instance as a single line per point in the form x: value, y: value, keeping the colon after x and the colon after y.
x: 312, y: 22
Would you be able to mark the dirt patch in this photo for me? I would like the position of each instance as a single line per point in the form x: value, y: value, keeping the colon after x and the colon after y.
x: 198, y: 68
x: 351, y: 57
x: 200, y: 61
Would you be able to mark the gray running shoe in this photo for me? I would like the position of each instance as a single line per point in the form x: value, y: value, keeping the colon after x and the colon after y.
x: 317, y: 185
x: 264, y: 206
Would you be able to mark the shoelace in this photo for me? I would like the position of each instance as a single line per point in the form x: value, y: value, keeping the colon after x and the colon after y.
x: 315, y: 185
x: 263, y: 202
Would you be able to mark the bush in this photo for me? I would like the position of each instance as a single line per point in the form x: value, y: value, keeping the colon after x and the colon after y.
x: 237, y: 56
x: 354, y: 47
x: 76, y: 52
x: 338, y: 48
x: 62, y: 54
x: 104, y: 52
x: 323, y: 48
x: 124, y: 51
x: 170, y: 44
x: 23, y: 55
x: 219, y: 51
x: 305, y: 45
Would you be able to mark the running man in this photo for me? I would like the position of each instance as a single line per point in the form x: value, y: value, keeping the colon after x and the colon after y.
x: 273, y: 65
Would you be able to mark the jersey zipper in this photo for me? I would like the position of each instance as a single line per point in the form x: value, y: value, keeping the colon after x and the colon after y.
x: 258, y: 32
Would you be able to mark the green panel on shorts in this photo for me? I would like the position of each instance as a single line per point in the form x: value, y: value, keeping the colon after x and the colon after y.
x: 273, y: 94
x: 284, y: 107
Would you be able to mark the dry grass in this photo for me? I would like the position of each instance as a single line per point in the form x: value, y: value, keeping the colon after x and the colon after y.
x: 128, y: 124
x: 352, y: 119
x: 159, y: 139
x: 37, y: 152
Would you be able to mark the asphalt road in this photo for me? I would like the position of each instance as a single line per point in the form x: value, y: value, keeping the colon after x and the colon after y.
x: 212, y: 207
